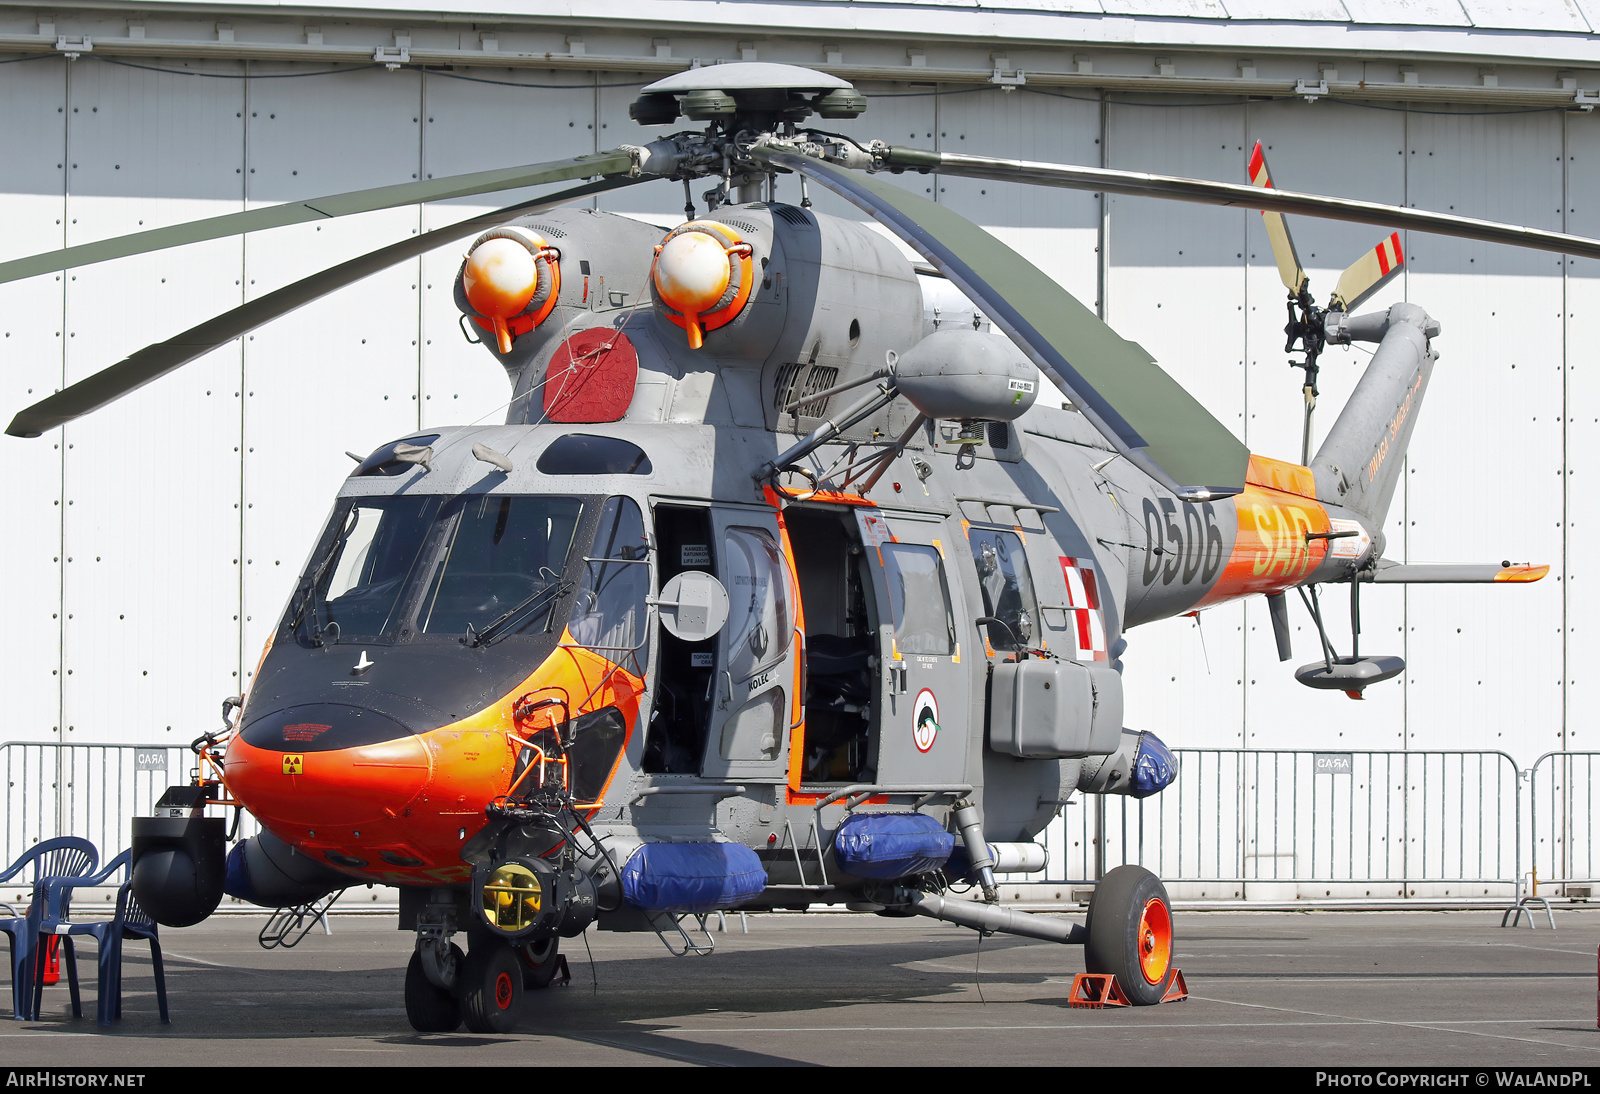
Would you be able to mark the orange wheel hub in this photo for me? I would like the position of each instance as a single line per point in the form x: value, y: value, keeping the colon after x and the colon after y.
x: 1155, y: 941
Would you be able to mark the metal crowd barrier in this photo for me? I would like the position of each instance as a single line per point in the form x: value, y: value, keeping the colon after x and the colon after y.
x: 91, y: 790
x: 1238, y: 824
x: 1561, y: 800
x: 1281, y: 825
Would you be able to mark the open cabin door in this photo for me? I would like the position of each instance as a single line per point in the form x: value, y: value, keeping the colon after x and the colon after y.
x: 754, y: 701
x: 723, y: 705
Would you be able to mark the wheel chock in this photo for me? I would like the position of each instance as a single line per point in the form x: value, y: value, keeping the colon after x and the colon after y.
x: 563, y: 974
x: 1095, y: 990
x: 1098, y: 990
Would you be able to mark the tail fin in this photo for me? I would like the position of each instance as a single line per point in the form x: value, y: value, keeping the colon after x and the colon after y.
x: 1358, y: 465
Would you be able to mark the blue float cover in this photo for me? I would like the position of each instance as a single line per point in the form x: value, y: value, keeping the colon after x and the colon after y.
x: 1154, y: 767
x: 236, y: 876
x: 891, y: 845
x: 692, y: 877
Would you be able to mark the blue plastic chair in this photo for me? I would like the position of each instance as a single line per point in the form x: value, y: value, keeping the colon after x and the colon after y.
x: 62, y: 857
x: 130, y: 921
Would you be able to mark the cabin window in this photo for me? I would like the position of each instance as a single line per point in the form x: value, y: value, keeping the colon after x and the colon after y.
x: 610, y: 613
x: 1007, y: 587
x: 759, y: 620
x: 919, y: 599
x: 587, y: 454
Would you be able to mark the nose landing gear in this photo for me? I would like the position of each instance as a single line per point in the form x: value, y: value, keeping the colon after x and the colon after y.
x: 491, y: 987
x: 430, y: 1007
x: 484, y: 987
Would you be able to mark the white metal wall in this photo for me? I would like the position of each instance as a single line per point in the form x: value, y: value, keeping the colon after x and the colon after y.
x: 149, y: 546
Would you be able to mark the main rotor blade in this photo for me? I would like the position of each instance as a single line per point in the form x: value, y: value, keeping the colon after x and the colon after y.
x: 1204, y: 192
x: 1141, y: 410
x: 1369, y: 273
x: 153, y: 362
x: 1288, y: 259
x: 335, y: 205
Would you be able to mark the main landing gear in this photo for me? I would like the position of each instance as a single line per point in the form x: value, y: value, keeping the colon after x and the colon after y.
x: 483, y: 988
x: 1130, y: 934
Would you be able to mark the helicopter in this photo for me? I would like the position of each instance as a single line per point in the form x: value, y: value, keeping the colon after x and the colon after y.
x: 780, y: 584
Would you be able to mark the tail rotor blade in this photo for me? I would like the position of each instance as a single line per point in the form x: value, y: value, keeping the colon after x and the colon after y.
x: 334, y: 205
x: 1289, y: 268
x: 153, y: 362
x: 1367, y: 274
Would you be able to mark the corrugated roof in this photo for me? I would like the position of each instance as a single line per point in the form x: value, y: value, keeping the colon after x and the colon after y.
x: 1559, y: 31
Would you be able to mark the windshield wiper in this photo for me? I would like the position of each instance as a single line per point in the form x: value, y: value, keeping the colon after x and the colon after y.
x: 310, y: 599
x: 548, y: 593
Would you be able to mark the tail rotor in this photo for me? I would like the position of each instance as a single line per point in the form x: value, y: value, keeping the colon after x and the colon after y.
x: 1306, y: 329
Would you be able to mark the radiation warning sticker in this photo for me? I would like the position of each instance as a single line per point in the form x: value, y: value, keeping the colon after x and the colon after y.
x: 924, y: 720
x: 294, y: 765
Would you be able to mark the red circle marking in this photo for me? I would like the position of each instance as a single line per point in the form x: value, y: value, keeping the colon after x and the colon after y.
x: 591, y: 377
x: 502, y: 990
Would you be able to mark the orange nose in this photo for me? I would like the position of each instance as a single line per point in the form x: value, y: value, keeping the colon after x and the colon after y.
x: 343, y: 786
x: 500, y: 278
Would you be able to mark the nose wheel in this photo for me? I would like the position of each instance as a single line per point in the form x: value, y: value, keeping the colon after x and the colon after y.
x: 430, y: 1008
x: 1130, y: 933
x: 491, y: 987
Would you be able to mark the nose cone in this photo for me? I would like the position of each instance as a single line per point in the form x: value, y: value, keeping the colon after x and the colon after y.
x: 298, y: 789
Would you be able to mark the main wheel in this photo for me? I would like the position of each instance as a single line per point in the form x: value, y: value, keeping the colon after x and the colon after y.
x: 1130, y: 933
x: 540, y: 961
x: 430, y: 1009
x: 491, y: 987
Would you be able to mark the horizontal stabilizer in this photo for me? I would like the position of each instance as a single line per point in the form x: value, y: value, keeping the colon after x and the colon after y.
x: 1450, y: 573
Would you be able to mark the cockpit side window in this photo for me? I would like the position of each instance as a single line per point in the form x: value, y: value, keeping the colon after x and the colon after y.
x: 610, y: 613
x: 1007, y: 587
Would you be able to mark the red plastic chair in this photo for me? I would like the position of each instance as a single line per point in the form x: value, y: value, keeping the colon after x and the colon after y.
x: 129, y: 922
x: 62, y: 857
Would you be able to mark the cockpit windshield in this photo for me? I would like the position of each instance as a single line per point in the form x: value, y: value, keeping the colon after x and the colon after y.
x: 477, y: 567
